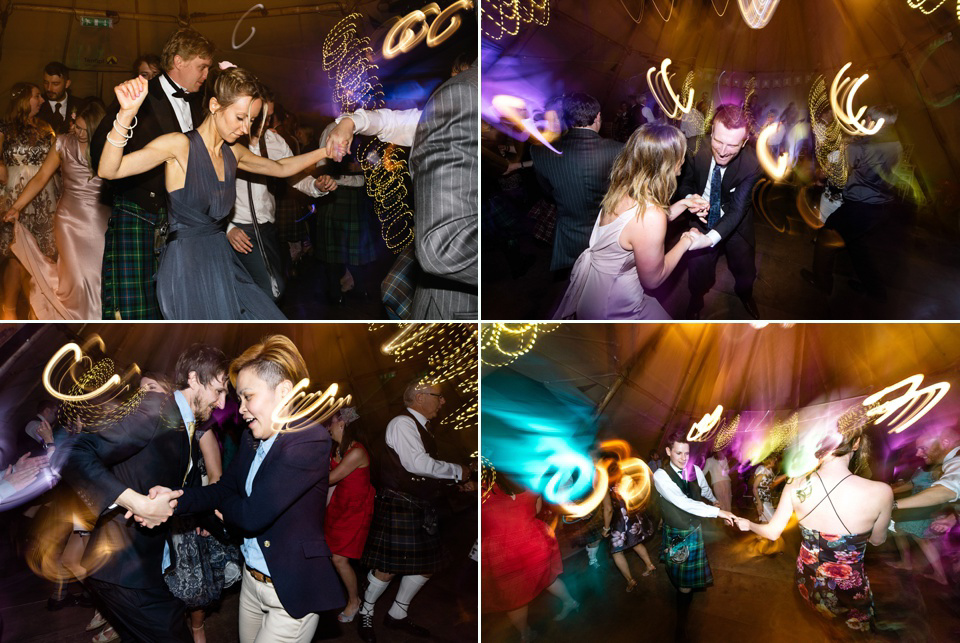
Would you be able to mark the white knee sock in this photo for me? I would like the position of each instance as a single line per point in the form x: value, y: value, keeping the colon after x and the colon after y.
x: 409, y: 587
x: 375, y: 588
x: 592, y: 552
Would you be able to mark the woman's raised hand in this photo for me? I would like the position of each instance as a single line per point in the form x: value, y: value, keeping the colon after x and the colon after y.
x: 131, y: 93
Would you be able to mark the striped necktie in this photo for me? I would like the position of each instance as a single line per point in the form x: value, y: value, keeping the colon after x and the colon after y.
x: 190, y: 427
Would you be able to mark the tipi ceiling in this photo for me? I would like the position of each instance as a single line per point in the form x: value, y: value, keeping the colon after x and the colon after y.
x: 645, y: 378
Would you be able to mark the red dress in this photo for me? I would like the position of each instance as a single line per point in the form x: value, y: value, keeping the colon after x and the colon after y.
x: 350, y: 511
x: 519, y: 555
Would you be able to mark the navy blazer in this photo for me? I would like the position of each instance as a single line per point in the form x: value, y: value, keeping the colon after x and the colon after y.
x: 736, y: 188
x: 284, y: 513
x: 147, y: 447
x: 577, y: 180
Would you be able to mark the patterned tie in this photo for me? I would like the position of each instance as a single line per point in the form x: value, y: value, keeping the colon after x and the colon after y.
x: 714, y: 216
x: 190, y: 426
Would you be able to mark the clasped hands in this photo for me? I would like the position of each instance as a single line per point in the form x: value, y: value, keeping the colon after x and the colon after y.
x: 732, y: 520
x: 153, y: 510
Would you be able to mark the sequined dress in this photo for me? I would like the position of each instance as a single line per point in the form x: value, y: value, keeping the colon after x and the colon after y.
x: 23, y: 153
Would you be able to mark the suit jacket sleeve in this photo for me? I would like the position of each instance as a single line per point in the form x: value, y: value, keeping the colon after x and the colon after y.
x: 444, y: 162
x: 742, y: 197
x: 87, y: 469
x: 542, y: 178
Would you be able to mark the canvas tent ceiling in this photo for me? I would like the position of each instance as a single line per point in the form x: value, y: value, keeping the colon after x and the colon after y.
x: 596, y: 47
x: 348, y: 354
x: 645, y: 377
x: 285, y: 52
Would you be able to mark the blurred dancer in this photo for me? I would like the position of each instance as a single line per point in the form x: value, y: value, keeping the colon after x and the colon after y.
x: 520, y: 556
x: 113, y: 468
x: 830, y: 574
x: 627, y: 530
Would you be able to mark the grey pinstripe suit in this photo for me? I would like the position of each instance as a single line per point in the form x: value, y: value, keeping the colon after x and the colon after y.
x: 443, y: 162
x: 577, y: 180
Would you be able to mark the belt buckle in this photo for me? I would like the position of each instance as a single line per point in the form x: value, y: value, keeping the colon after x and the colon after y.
x: 160, y: 237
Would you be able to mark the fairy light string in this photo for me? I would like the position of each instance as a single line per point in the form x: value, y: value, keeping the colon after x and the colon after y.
x: 347, y: 59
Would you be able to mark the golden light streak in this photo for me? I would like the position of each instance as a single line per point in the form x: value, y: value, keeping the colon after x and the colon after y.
x: 700, y: 430
x: 111, y: 383
x: 634, y: 485
x: 306, y: 408
x: 662, y: 77
x: 841, y: 100
x: 593, y: 500
x: 510, y: 107
x: 501, y: 344
x: 898, y: 410
x: 504, y: 17
x: 488, y: 478
x: 725, y: 433
x: 777, y: 169
x: 401, y: 38
x: 757, y: 13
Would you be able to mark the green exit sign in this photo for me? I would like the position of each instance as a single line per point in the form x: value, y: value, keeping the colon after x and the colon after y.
x: 91, y: 21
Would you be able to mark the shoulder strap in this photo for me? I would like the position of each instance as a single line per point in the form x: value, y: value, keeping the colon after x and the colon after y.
x: 827, y: 497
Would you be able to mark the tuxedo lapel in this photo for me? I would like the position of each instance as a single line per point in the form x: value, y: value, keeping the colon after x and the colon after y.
x: 161, y: 107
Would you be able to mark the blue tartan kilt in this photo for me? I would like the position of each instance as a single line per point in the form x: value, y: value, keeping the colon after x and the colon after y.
x: 397, y: 542
x: 694, y: 572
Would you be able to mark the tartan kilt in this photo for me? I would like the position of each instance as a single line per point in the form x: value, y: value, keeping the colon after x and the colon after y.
x: 695, y: 571
x: 346, y: 228
x: 397, y: 542
x: 128, y: 285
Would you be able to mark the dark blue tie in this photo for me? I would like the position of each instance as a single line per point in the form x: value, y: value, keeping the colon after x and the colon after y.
x: 714, y: 215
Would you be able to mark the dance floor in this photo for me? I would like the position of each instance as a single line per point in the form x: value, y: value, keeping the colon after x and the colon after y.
x: 921, y: 263
x: 753, y: 600
x: 438, y: 607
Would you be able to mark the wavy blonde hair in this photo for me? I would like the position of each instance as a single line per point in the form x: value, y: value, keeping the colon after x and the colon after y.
x: 645, y: 171
x: 274, y: 359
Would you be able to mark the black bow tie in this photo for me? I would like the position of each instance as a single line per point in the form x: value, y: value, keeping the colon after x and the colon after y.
x: 179, y: 92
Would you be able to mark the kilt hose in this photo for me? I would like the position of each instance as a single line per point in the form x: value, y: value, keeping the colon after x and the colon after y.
x: 397, y: 542
x: 128, y: 283
x: 694, y: 572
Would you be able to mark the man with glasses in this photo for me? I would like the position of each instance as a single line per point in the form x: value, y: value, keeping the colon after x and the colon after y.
x: 404, y: 537
x: 725, y: 175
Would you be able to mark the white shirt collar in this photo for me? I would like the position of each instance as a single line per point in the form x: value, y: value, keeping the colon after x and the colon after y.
x: 952, y: 454
x: 420, y: 416
x: 62, y: 103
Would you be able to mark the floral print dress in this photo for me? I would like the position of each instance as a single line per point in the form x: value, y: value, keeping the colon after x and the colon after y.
x: 830, y: 577
x: 23, y: 153
x: 627, y: 530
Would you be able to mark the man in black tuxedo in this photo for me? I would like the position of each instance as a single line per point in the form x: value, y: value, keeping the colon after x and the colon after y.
x: 59, y: 105
x: 138, y: 222
x: 577, y: 179
x: 724, y: 174
x: 113, y: 469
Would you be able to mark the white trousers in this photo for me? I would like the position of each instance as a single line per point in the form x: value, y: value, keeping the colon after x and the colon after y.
x: 263, y: 619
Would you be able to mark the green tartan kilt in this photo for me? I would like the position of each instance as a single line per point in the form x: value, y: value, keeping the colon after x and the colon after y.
x: 347, y: 228
x: 128, y: 284
x: 695, y: 571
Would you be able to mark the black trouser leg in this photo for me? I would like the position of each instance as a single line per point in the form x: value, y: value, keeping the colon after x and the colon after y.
x: 151, y: 615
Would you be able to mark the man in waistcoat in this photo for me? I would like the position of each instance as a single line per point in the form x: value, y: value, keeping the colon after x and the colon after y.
x: 404, y: 537
x: 683, y: 490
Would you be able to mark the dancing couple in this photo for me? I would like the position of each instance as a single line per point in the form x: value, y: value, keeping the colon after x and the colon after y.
x: 274, y: 493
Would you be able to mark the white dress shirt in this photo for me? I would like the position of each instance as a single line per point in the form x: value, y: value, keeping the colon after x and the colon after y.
x: 264, y: 202
x: 670, y: 492
x: 180, y: 107
x: 404, y: 438
x: 951, y: 474
x: 61, y: 103
x: 389, y: 125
